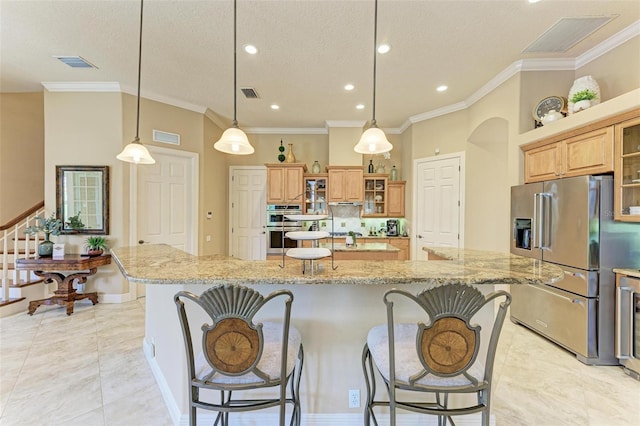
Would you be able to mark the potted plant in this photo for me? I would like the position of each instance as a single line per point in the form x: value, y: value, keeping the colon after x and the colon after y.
x: 75, y: 222
x: 582, y: 99
x: 96, y: 245
x: 49, y: 226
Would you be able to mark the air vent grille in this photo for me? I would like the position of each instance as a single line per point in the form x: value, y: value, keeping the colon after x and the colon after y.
x: 566, y: 33
x: 166, y: 137
x: 76, y: 61
x: 249, y: 92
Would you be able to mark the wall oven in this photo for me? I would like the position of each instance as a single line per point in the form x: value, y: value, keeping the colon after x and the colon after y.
x: 628, y: 325
x: 278, y: 225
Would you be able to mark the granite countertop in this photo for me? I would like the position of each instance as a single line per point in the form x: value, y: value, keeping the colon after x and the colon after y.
x: 163, y: 264
x: 626, y: 271
x: 360, y: 247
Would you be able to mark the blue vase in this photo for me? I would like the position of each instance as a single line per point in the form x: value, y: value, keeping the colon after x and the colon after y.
x: 45, y: 249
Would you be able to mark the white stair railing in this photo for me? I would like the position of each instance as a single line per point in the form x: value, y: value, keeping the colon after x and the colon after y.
x: 11, y: 239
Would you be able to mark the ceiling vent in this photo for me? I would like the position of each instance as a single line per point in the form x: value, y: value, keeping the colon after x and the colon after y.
x: 249, y: 92
x: 566, y: 33
x: 76, y: 61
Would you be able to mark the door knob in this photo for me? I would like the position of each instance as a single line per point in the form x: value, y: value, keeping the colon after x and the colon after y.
x: 140, y: 241
x: 419, y: 236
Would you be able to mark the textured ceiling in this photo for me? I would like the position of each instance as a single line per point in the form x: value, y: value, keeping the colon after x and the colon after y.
x: 308, y: 50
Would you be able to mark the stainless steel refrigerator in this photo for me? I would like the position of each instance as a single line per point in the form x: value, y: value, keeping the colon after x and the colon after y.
x: 569, y: 222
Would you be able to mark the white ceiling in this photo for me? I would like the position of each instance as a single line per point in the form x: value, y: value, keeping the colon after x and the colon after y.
x: 308, y: 50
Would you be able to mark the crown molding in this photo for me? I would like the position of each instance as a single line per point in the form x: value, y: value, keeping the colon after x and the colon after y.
x: 165, y: 99
x: 609, y: 44
x: 81, y: 86
x: 286, y: 130
x: 438, y: 112
x: 344, y: 123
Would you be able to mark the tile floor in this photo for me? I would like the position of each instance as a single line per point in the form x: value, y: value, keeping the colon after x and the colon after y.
x: 88, y: 369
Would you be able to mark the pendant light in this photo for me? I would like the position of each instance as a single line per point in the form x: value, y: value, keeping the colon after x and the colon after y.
x: 234, y: 140
x: 373, y: 140
x: 135, y: 152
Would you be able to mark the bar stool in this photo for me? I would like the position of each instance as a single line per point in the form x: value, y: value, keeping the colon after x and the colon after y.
x: 438, y: 358
x: 240, y: 355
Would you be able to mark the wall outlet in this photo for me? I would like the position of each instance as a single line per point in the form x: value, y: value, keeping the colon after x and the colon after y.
x: 343, y: 224
x: 323, y: 224
x: 354, y: 398
x: 362, y: 224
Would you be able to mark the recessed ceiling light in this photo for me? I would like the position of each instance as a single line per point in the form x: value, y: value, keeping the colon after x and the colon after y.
x: 349, y: 86
x: 250, y: 49
x: 275, y: 106
x: 534, y: 1
x: 360, y: 106
x: 442, y: 88
x: 384, y: 48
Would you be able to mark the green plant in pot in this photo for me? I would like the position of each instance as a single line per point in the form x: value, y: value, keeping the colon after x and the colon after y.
x: 582, y: 99
x: 75, y: 222
x: 47, y: 226
x: 96, y: 245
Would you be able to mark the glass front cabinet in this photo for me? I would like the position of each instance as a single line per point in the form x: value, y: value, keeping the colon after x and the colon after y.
x: 375, y: 195
x: 627, y: 171
x: 315, y: 187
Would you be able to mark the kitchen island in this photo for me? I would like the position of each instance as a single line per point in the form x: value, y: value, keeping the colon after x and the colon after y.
x: 333, y: 309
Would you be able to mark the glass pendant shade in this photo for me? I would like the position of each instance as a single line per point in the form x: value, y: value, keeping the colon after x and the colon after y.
x: 136, y: 153
x: 373, y: 141
x: 234, y: 141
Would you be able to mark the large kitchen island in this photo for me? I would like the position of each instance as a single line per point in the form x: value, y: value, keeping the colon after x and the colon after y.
x: 333, y: 309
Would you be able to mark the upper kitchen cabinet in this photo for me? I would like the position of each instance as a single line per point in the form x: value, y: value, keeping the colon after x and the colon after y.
x: 315, y: 193
x: 395, y: 198
x: 345, y: 183
x: 627, y: 173
x: 584, y: 154
x: 375, y: 195
x: 285, y: 183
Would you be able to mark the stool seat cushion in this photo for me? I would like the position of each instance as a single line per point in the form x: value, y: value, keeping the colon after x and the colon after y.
x: 407, y: 362
x: 269, y: 361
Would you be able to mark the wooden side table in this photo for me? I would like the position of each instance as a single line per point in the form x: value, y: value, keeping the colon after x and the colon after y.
x: 49, y: 269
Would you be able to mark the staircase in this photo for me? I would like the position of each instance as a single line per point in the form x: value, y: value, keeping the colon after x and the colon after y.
x: 18, y: 287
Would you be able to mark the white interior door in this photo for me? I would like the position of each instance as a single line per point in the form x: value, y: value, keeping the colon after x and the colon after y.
x: 248, y: 212
x: 164, y: 202
x: 438, y: 206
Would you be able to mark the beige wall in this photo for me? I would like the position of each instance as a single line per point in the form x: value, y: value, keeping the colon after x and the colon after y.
x: 21, y: 143
x: 617, y: 72
x: 86, y: 129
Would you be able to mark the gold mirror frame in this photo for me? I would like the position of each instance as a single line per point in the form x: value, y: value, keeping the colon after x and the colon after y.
x: 83, y: 190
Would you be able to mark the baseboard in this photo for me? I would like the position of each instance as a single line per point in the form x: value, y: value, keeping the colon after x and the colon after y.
x: 308, y: 419
x: 174, y: 411
x: 114, y: 298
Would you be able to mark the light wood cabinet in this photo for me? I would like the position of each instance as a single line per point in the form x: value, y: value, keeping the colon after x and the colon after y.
x: 403, y: 245
x: 285, y: 182
x: 583, y: 154
x: 396, y: 198
x: 375, y: 195
x: 627, y: 171
x: 345, y: 183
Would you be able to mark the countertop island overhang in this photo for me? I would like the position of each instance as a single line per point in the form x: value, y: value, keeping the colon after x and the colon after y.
x: 333, y: 310
x: 163, y: 264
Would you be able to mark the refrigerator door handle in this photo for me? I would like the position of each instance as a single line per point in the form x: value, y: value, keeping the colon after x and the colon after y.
x: 535, y: 233
x: 624, y: 322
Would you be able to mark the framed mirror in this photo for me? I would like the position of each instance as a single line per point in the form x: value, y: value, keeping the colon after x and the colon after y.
x: 82, y: 199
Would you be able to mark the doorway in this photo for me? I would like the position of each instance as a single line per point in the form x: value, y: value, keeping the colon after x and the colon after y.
x: 438, y: 203
x: 248, y: 212
x: 164, y: 202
